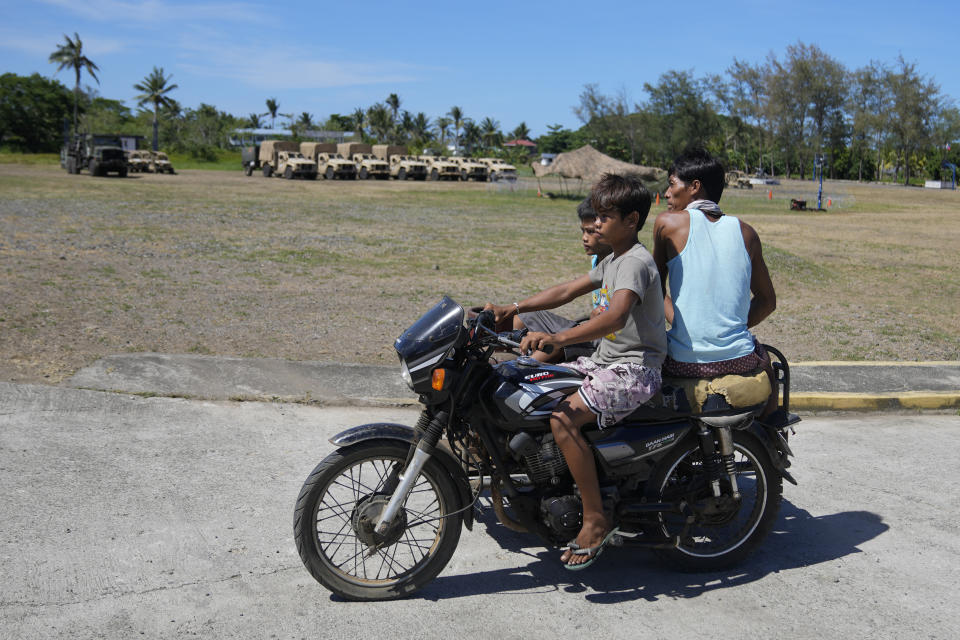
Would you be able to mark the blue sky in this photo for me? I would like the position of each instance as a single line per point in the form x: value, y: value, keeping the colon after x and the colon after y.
x: 512, y: 61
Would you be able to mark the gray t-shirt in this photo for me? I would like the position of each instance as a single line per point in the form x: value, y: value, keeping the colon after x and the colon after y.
x: 644, y: 337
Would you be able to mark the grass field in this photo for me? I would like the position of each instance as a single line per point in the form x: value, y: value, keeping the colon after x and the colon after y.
x: 213, y: 262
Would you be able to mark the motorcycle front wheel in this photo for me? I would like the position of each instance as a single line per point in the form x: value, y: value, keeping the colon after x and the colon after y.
x: 337, y: 511
x: 724, y: 531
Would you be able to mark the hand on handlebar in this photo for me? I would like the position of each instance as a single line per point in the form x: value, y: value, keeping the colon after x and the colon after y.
x: 538, y: 341
x: 500, y: 311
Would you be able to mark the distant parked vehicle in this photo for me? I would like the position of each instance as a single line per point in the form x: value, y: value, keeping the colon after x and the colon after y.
x: 738, y: 179
x: 250, y: 159
x: 330, y: 164
x: 283, y: 158
x: 498, y: 169
x: 441, y: 168
x: 402, y: 166
x: 471, y: 169
x: 161, y: 162
x: 98, y: 153
x: 368, y: 165
x: 139, y: 161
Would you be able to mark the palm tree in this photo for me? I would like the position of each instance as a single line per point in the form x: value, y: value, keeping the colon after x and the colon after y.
x: 471, y: 135
x: 272, y: 107
x: 359, y: 118
x: 521, y: 132
x: 305, y: 121
x: 443, y: 128
x: 456, y: 114
x: 154, y: 90
x: 421, y: 127
x: 393, y: 101
x: 378, y: 117
x: 254, y: 120
x: 70, y: 54
x: 490, y: 131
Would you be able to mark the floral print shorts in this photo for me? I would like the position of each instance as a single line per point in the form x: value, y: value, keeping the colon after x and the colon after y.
x: 615, y: 391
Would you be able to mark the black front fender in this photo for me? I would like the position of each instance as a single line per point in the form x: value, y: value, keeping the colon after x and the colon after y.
x: 403, y: 433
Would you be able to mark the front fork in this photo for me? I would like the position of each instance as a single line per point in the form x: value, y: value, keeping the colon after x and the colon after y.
x: 727, y: 465
x: 430, y: 429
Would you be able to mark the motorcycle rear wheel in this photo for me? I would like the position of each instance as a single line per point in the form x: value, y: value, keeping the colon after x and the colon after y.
x: 339, y: 501
x: 719, y: 540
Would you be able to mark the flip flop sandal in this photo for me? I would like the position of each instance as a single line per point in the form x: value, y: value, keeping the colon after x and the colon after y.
x: 592, y: 552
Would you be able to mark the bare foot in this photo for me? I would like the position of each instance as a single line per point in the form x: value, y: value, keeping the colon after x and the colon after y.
x: 592, y: 533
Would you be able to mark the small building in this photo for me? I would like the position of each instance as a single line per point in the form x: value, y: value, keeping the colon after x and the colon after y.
x: 250, y: 137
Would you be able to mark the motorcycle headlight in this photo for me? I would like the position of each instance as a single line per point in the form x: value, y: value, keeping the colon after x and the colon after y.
x: 405, y: 374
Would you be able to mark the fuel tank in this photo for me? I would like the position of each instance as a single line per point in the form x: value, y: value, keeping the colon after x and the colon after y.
x: 524, y: 392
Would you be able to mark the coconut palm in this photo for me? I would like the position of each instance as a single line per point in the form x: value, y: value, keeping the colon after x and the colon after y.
x: 471, y: 135
x: 70, y: 54
x: 154, y: 90
x: 305, y: 121
x: 521, y: 132
x: 253, y: 121
x: 456, y: 115
x: 359, y: 119
x: 421, y: 127
x: 378, y: 117
x: 272, y: 107
x: 490, y: 132
x: 393, y: 101
x: 443, y: 128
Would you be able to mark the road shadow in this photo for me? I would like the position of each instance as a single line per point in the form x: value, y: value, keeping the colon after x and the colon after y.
x: 626, y: 574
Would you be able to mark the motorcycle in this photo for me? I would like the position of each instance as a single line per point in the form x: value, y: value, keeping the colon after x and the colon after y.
x: 381, y: 516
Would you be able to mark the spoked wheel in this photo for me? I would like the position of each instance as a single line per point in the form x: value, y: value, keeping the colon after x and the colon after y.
x: 337, y: 512
x: 725, y: 529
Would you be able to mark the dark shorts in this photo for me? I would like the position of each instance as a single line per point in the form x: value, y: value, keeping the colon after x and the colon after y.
x: 548, y: 322
x: 737, y: 366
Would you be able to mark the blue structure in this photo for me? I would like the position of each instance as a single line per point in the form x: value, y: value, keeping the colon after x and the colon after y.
x: 953, y: 170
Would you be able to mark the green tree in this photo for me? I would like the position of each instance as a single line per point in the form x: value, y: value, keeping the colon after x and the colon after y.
x: 70, y: 54
x: 421, y: 129
x: 359, y: 120
x: 521, y: 132
x: 443, y: 129
x: 490, y: 133
x: 916, y: 103
x: 557, y: 139
x: 682, y: 114
x: 33, y: 112
x: 272, y: 107
x: 253, y: 120
x: 456, y: 117
x: 393, y: 101
x: 153, y: 90
x: 472, y: 136
x: 378, y: 119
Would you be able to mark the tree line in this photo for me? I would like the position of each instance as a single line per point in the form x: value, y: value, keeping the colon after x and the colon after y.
x: 780, y: 117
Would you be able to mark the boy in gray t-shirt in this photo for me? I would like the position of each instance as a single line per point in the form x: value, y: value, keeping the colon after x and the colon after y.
x: 624, y: 371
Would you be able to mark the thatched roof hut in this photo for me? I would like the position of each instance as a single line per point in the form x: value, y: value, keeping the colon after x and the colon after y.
x: 587, y: 164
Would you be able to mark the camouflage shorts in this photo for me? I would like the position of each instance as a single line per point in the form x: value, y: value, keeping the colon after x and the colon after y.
x: 615, y: 391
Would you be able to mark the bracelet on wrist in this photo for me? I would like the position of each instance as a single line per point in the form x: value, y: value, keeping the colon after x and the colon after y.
x: 517, y: 307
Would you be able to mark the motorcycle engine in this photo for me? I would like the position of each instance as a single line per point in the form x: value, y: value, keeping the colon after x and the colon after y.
x: 563, y: 514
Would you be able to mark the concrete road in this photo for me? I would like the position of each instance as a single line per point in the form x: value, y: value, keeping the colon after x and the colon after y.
x: 126, y: 517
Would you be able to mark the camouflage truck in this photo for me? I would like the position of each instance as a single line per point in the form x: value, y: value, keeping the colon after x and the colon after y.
x: 471, y: 169
x: 498, y: 169
x: 440, y: 168
x: 738, y: 180
x: 283, y: 158
x: 161, y: 162
x: 402, y: 166
x: 99, y: 153
x: 139, y: 161
x: 330, y: 164
x: 368, y: 165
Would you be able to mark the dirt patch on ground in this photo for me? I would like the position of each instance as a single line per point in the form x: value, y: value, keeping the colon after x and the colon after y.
x: 218, y: 263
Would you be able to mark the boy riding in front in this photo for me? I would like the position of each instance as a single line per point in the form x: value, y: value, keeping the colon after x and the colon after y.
x: 624, y: 370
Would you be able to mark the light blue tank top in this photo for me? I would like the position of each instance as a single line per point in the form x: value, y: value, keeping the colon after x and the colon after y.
x: 710, y: 288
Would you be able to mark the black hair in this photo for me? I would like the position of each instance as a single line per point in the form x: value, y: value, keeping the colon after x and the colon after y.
x: 623, y: 193
x: 585, y: 210
x: 696, y: 163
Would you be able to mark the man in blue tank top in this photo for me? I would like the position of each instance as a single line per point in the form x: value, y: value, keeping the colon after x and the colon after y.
x: 718, y: 282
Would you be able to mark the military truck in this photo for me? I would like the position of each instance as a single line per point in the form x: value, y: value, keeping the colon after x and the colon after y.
x: 250, y: 159
x: 738, y: 179
x: 498, y: 169
x: 368, y: 165
x: 283, y: 158
x: 471, y: 169
x: 139, y: 161
x: 402, y: 166
x: 440, y: 168
x: 330, y: 164
x: 99, y: 153
x: 161, y: 162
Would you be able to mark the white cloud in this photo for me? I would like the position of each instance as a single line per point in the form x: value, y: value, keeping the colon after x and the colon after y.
x: 44, y: 44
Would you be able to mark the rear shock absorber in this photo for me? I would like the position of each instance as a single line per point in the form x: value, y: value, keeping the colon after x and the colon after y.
x: 711, y: 466
x: 725, y: 435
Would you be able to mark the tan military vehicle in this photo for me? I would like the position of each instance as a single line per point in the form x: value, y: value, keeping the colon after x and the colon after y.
x: 161, y: 163
x: 283, y: 158
x: 330, y: 164
x: 402, y: 166
x: 368, y: 165
x: 139, y: 161
x: 498, y: 169
x: 471, y: 169
x: 440, y: 168
x: 738, y: 179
